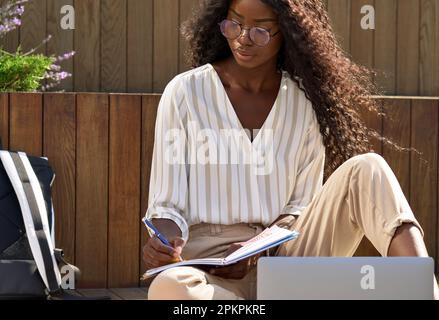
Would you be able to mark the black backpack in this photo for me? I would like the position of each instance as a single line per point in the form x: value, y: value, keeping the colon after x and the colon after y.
x: 29, y: 263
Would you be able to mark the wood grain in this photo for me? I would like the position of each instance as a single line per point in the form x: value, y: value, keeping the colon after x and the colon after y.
x: 87, y: 61
x: 140, y: 46
x: 92, y: 189
x: 186, y: 9
x: 362, y: 41
x: 114, y: 45
x: 385, y: 46
x: 429, y: 47
x: 407, y: 62
x: 62, y: 41
x: 4, y: 119
x: 165, y: 43
x: 136, y: 46
x: 10, y: 41
x: 33, y: 28
x: 396, y: 127
x: 124, y: 191
x: 423, y: 170
x: 26, y: 123
x: 340, y: 15
x: 60, y: 148
x: 130, y: 293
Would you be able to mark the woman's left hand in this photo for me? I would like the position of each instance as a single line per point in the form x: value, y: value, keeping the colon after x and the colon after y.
x: 237, y: 270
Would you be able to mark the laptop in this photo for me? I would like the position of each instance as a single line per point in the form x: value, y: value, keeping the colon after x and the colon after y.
x: 354, y: 278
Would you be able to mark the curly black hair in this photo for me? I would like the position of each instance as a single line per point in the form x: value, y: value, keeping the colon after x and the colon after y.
x: 337, y: 87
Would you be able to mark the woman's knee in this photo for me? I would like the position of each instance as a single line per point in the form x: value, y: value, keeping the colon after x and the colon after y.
x: 369, y: 162
x: 176, y: 284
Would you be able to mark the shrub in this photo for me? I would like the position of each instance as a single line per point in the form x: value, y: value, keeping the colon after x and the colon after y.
x: 26, y: 71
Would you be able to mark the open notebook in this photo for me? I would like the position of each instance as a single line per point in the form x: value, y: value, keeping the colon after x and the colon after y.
x: 267, y: 239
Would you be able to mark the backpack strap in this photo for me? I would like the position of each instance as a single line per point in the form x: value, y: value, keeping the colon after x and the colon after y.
x: 30, y: 196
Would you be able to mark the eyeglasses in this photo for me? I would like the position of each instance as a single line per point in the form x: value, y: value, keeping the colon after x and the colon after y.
x: 233, y: 30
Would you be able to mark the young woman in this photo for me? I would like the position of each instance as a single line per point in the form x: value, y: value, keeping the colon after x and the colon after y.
x: 241, y: 143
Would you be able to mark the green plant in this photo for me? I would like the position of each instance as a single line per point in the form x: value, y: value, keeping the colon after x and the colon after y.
x: 26, y: 71
x: 19, y: 72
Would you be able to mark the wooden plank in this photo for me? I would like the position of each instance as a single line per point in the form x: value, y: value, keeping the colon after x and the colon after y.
x: 374, y: 121
x: 62, y: 41
x: 10, y: 41
x: 60, y: 148
x: 87, y: 60
x: 385, y: 45
x: 186, y: 8
x: 340, y: 15
x: 93, y: 293
x: 407, y: 67
x: 130, y: 293
x: 165, y: 43
x: 162, y: 54
x: 92, y: 189
x: 423, y: 176
x: 139, y: 47
x: 26, y: 123
x: 33, y: 28
x: 437, y: 215
x: 362, y: 41
x: 149, y: 114
x: 4, y: 119
x: 74, y: 293
x: 124, y: 191
x: 396, y: 127
x: 114, y: 45
x: 429, y: 48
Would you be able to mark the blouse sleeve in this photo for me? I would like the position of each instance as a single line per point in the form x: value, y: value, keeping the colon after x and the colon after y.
x: 168, y: 186
x: 309, y: 179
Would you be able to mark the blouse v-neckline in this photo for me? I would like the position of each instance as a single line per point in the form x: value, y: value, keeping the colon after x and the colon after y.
x: 236, y: 119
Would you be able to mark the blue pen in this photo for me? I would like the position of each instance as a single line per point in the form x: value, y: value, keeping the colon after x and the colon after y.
x: 154, y: 230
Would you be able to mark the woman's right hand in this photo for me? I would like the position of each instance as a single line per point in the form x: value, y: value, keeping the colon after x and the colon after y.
x: 156, y: 254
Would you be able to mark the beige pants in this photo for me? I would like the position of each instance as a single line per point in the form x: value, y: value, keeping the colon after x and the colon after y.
x: 362, y: 197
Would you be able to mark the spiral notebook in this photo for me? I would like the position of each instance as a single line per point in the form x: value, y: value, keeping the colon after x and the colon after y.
x: 267, y: 239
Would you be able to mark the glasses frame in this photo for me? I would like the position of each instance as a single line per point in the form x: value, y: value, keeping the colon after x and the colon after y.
x: 271, y: 36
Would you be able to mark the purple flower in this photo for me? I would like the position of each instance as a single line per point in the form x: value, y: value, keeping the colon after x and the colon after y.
x: 16, y: 21
x: 20, y: 10
x: 65, y: 56
x: 10, y: 15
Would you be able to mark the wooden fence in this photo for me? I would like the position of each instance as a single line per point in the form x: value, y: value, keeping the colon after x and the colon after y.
x: 134, y: 45
x: 100, y: 146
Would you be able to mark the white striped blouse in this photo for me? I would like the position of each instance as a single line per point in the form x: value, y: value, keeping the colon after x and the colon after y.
x: 205, y: 168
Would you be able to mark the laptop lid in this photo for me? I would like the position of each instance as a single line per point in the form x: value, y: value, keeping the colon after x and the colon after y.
x: 354, y: 278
